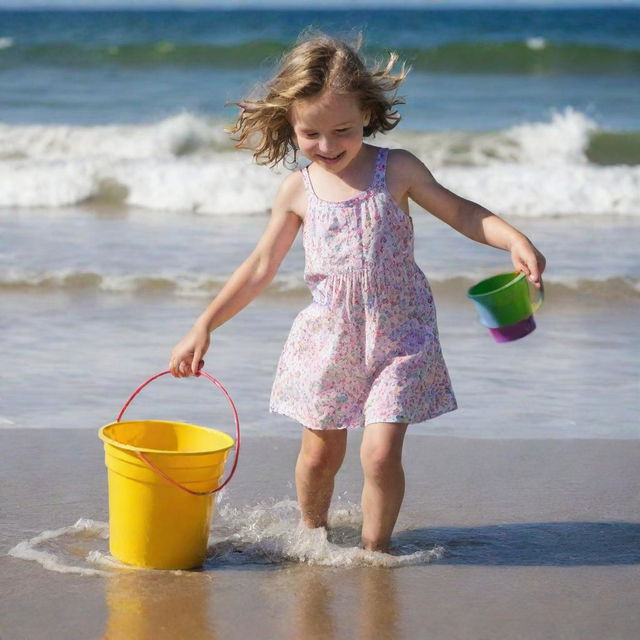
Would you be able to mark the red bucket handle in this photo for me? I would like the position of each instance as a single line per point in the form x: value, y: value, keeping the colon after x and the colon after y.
x: 161, y: 473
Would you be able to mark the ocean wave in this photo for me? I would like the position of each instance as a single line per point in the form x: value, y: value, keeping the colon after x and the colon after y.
x: 183, y: 134
x: 568, y: 136
x: 187, y: 163
x: 530, y: 56
x: 284, y: 285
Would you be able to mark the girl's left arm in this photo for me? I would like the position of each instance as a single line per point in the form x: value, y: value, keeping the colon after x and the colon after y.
x: 467, y: 217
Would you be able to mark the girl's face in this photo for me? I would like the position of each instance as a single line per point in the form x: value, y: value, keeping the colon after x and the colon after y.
x: 328, y: 129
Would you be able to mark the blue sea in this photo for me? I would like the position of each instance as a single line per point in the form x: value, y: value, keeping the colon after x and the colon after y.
x: 124, y: 207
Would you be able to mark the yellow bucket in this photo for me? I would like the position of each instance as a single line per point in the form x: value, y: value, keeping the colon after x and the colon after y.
x: 162, y: 476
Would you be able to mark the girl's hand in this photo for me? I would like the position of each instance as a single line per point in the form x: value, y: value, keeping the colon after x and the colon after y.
x: 186, y: 357
x: 527, y: 258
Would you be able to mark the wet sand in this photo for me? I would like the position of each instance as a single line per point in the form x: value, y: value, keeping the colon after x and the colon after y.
x: 541, y: 539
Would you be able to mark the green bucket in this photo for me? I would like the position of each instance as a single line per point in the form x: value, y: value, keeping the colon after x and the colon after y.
x: 504, y: 300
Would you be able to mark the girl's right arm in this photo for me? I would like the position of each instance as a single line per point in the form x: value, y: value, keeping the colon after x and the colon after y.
x: 249, y: 279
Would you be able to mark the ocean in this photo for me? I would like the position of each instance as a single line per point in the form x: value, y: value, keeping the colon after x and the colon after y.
x: 124, y: 207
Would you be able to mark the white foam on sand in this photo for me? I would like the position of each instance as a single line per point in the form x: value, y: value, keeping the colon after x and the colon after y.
x: 53, y: 558
x: 266, y: 533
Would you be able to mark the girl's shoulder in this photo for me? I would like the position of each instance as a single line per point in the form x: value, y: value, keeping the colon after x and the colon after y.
x: 291, y: 194
x: 402, y: 167
x: 401, y: 158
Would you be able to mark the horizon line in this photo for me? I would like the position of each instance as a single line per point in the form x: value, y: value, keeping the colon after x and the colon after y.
x: 547, y: 5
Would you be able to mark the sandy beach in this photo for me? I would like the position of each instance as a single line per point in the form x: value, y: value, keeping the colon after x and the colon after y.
x: 541, y: 539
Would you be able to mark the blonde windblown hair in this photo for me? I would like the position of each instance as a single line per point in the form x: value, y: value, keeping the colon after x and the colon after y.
x: 316, y: 64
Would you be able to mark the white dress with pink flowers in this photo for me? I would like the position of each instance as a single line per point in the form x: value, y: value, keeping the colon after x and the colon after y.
x: 366, y: 349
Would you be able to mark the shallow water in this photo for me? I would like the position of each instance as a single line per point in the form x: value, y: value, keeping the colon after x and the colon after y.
x: 73, y: 356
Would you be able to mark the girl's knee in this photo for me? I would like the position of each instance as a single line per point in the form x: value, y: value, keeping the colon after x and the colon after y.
x: 321, y: 460
x: 322, y: 454
x: 381, y: 447
x: 378, y: 461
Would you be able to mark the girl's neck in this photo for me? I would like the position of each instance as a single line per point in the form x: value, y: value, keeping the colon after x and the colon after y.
x: 355, y: 176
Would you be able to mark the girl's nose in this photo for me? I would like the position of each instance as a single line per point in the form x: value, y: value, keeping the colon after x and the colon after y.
x: 325, y: 145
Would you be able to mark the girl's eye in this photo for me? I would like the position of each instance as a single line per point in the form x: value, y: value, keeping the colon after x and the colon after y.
x: 342, y: 130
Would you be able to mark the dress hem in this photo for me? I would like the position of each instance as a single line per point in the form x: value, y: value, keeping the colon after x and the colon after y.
x: 292, y: 416
x: 421, y: 418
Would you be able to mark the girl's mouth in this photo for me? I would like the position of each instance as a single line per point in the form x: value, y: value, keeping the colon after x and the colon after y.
x: 331, y: 160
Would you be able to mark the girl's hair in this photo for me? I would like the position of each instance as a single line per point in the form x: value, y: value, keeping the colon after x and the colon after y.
x: 314, y: 65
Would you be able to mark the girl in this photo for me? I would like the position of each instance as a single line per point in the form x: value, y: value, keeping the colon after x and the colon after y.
x: 365, y: 352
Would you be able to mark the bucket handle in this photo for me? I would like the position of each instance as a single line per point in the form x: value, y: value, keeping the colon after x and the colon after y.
x: 161, y: 473
x: 538, y: 303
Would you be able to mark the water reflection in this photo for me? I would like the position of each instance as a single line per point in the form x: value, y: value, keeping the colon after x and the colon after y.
x: 327, y: 604
x: 146, y: 605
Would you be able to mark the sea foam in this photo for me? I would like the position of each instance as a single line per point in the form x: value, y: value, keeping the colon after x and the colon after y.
x: 264, y: 533
x: 187, y: 163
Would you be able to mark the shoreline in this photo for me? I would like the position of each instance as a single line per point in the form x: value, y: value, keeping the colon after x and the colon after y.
x: 541, y: 540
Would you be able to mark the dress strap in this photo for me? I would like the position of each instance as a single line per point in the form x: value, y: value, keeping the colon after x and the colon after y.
x: 307, y: 182
x: 381, y: 168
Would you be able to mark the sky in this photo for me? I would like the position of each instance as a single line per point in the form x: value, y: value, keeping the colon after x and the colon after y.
x: 308, y: 4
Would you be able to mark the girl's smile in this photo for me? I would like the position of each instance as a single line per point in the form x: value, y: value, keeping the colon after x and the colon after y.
x: 332, y: 159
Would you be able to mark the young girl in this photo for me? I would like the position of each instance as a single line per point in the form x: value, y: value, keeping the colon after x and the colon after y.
x: 365, y: 352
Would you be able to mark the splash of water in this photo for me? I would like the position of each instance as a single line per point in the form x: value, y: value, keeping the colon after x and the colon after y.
x: 264, y: 533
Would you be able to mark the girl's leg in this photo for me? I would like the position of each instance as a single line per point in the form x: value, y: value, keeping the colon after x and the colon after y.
x: 321, y: 455
x: 381, y: 457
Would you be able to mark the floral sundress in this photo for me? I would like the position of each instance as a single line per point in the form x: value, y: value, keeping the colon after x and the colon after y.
x: 366, y: 349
